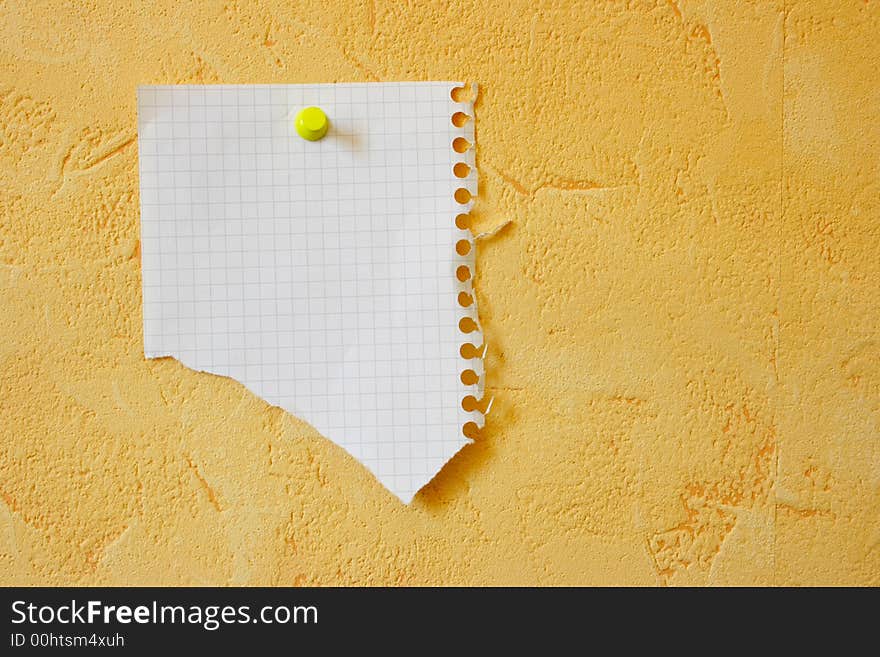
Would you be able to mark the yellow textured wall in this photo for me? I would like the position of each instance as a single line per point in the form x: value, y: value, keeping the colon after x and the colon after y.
x: 683, y: 315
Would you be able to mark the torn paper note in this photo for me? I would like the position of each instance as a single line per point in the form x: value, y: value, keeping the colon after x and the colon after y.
x: 323, y: 275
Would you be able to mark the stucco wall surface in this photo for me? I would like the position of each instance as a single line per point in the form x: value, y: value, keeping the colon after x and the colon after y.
x: 682, y: 316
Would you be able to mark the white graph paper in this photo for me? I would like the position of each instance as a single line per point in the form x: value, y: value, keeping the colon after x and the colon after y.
x: 321, y: 275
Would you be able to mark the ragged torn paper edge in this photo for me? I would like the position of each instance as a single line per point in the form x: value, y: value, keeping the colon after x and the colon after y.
x: 467, y: 300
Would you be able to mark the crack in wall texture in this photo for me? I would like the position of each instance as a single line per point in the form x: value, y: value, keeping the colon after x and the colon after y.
x: 682, y: 316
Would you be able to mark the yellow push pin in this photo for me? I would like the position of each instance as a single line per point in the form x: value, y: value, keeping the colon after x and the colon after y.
x: 311, y: 123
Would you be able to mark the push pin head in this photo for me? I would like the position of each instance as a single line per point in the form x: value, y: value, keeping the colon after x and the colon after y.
x: 311, y: 123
